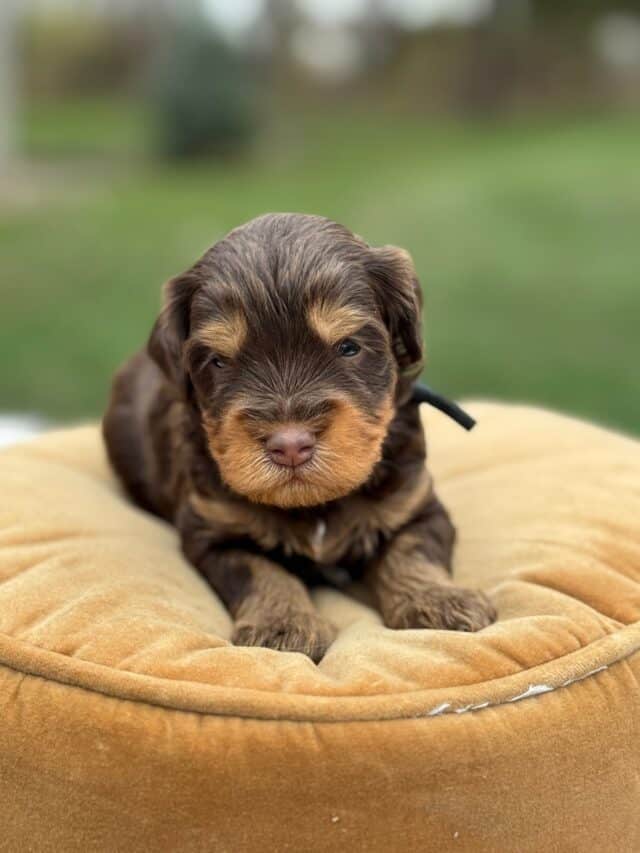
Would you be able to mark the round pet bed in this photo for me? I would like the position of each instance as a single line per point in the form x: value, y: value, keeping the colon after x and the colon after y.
x: 129, y: 723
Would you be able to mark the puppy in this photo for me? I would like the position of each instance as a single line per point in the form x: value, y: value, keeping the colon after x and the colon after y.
x: 270, y: 420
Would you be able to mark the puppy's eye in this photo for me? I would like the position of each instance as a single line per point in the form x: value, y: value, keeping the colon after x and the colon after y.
x: 348, y: 348
x: 216, y: 361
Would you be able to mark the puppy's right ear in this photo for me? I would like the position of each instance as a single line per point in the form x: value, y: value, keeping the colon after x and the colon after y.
x: 400, y: 298
x: 171, y: 329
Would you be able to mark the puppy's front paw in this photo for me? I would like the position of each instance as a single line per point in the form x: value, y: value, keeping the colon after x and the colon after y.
x: 451, y: 608
x: 302, y: 632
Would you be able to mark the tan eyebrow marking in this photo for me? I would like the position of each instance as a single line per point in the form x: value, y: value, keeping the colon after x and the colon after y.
x: 225, y: 335
x: 334, y: 322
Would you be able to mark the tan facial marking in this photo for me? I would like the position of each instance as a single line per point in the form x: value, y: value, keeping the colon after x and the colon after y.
x: 225, y: 335
x: 346, y: 453
x: 333, y: 322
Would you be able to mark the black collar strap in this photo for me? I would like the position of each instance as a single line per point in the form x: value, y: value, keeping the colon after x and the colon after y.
x: 424, y: 394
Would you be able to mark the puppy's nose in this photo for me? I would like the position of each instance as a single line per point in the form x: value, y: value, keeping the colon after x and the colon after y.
x: 290, y: 446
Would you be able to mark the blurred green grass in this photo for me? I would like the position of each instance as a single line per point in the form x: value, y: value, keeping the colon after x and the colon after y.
x: 525, y: 237
x: 83, y: 127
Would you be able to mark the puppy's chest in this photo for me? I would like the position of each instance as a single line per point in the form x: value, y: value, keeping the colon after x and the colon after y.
x: 346, y: 533
x: 343, y: 535
x: 330, y: 539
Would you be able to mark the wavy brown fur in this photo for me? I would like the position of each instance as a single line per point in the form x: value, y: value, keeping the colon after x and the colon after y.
x: 246, y: 341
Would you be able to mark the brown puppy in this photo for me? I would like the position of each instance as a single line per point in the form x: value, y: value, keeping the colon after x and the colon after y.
x: 270, y: 420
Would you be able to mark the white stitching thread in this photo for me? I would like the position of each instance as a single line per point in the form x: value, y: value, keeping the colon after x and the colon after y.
x: 532, y: 690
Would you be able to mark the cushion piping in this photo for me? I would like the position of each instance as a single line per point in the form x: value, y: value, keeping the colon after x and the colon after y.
x: 212, y: 700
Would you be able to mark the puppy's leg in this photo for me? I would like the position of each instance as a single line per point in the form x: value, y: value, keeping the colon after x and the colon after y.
x: 270, y: 606
x: 412, y: 578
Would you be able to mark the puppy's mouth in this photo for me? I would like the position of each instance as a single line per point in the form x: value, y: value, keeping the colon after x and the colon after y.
x: 300, y: 472
x: 315, y: 480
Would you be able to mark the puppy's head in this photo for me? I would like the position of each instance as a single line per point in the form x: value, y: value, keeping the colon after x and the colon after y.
x: 296, y: 341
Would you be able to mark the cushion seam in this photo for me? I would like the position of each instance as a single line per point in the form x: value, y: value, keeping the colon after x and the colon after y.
x: 438, y: 710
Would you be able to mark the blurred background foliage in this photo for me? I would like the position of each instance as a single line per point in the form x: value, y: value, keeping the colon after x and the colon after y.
x: 497, y: 140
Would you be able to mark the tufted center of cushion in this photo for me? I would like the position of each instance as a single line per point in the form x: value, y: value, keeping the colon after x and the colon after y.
x: 95, y: 592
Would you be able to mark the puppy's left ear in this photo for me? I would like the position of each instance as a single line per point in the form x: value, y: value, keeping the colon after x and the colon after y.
x: 400, y: 298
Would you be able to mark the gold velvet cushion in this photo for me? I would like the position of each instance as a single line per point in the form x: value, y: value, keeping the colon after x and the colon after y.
x: 128, y: 721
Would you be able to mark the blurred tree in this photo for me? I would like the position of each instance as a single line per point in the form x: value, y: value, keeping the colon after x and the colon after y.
x: 580, y: 11
x: 204, y: 92
x: 492, y: 67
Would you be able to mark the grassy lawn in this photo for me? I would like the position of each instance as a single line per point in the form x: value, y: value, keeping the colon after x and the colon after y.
x: 525, y: 237
x: 83, y: 127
